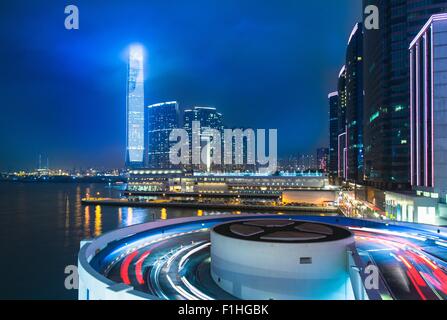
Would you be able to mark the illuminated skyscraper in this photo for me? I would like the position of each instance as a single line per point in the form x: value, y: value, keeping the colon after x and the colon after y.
x: 161, y: 119
x: 342, y: 156
x: 428, y: 128
x: 322, y: 159
x: 386, y: 85
x: 209, y: 118
x: 354, y: 105
x: 342, y: 140
x: 135, y: 109
x: 342, y: 101
x: 333, y: 134
x: 428, y: 123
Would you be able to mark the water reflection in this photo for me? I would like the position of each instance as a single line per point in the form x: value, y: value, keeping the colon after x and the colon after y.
x: 98, y: 221
x: 164, y: 214
x: 78, y: 208
x: 129, y: 220
x: 67, y: 216
x: 120, y: 216
x: 87, y: 222
x: 130, y: 216
x: 67, y: 222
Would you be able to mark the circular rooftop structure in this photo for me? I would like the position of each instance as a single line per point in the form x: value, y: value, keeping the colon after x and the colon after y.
x: 282, y: 231
x: 280, y: 259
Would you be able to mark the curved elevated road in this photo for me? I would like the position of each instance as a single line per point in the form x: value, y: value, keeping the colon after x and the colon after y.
x: 176, y: 265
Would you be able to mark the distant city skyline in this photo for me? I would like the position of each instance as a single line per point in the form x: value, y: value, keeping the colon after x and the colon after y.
x: 257, y: 62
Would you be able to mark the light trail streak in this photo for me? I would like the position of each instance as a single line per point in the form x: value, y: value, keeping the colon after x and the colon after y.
x: 186, y: 256
x: 139, y: 267
x: 181, y: 291
x: 426, y: 273
x: 390, y: 233
x: 124, y: 270
x: 194, y: 290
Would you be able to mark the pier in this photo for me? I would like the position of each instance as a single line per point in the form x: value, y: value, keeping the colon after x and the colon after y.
x: 209, y: 205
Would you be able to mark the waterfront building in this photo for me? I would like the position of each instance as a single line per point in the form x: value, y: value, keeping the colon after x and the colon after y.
x: 146, y: 180
x: 290, y: 164
x: 209, y: 118
x: 342, y: 100
x: 354, y: 105
x: 307, y: 162
x: 342, y: 139
x: 322, y: 159
x: 240, y: 145
x: 135, y: 109
x: 428, y: 128
x: 386, y: 86
x: 160, y: 120
x: 342, y: 156
x: 333, y: 134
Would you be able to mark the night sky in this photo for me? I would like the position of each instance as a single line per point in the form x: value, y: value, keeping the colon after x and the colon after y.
x: 263, y: 64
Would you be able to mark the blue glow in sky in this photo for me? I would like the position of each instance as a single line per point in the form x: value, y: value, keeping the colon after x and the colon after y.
x: 263, y: 64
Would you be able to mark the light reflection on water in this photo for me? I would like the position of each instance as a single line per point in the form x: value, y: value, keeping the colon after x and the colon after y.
x: 120, y: 216
x: 87, y: 221
x: 98, y: 221
x: 164, y: 214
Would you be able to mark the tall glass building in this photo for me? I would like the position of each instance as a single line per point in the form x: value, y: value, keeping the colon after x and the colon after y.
x: 333, y: 134
x: 135, y: 109
x: 386, y: 85
x: 428, y: 129
x: 161, y: 119
x: 342, y: 100
x: 354, y: 104
x: 341, y: 137
x: 322, y: 159
x: 342, y: 162
x: 208, y: 118
x: 428, y: 108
